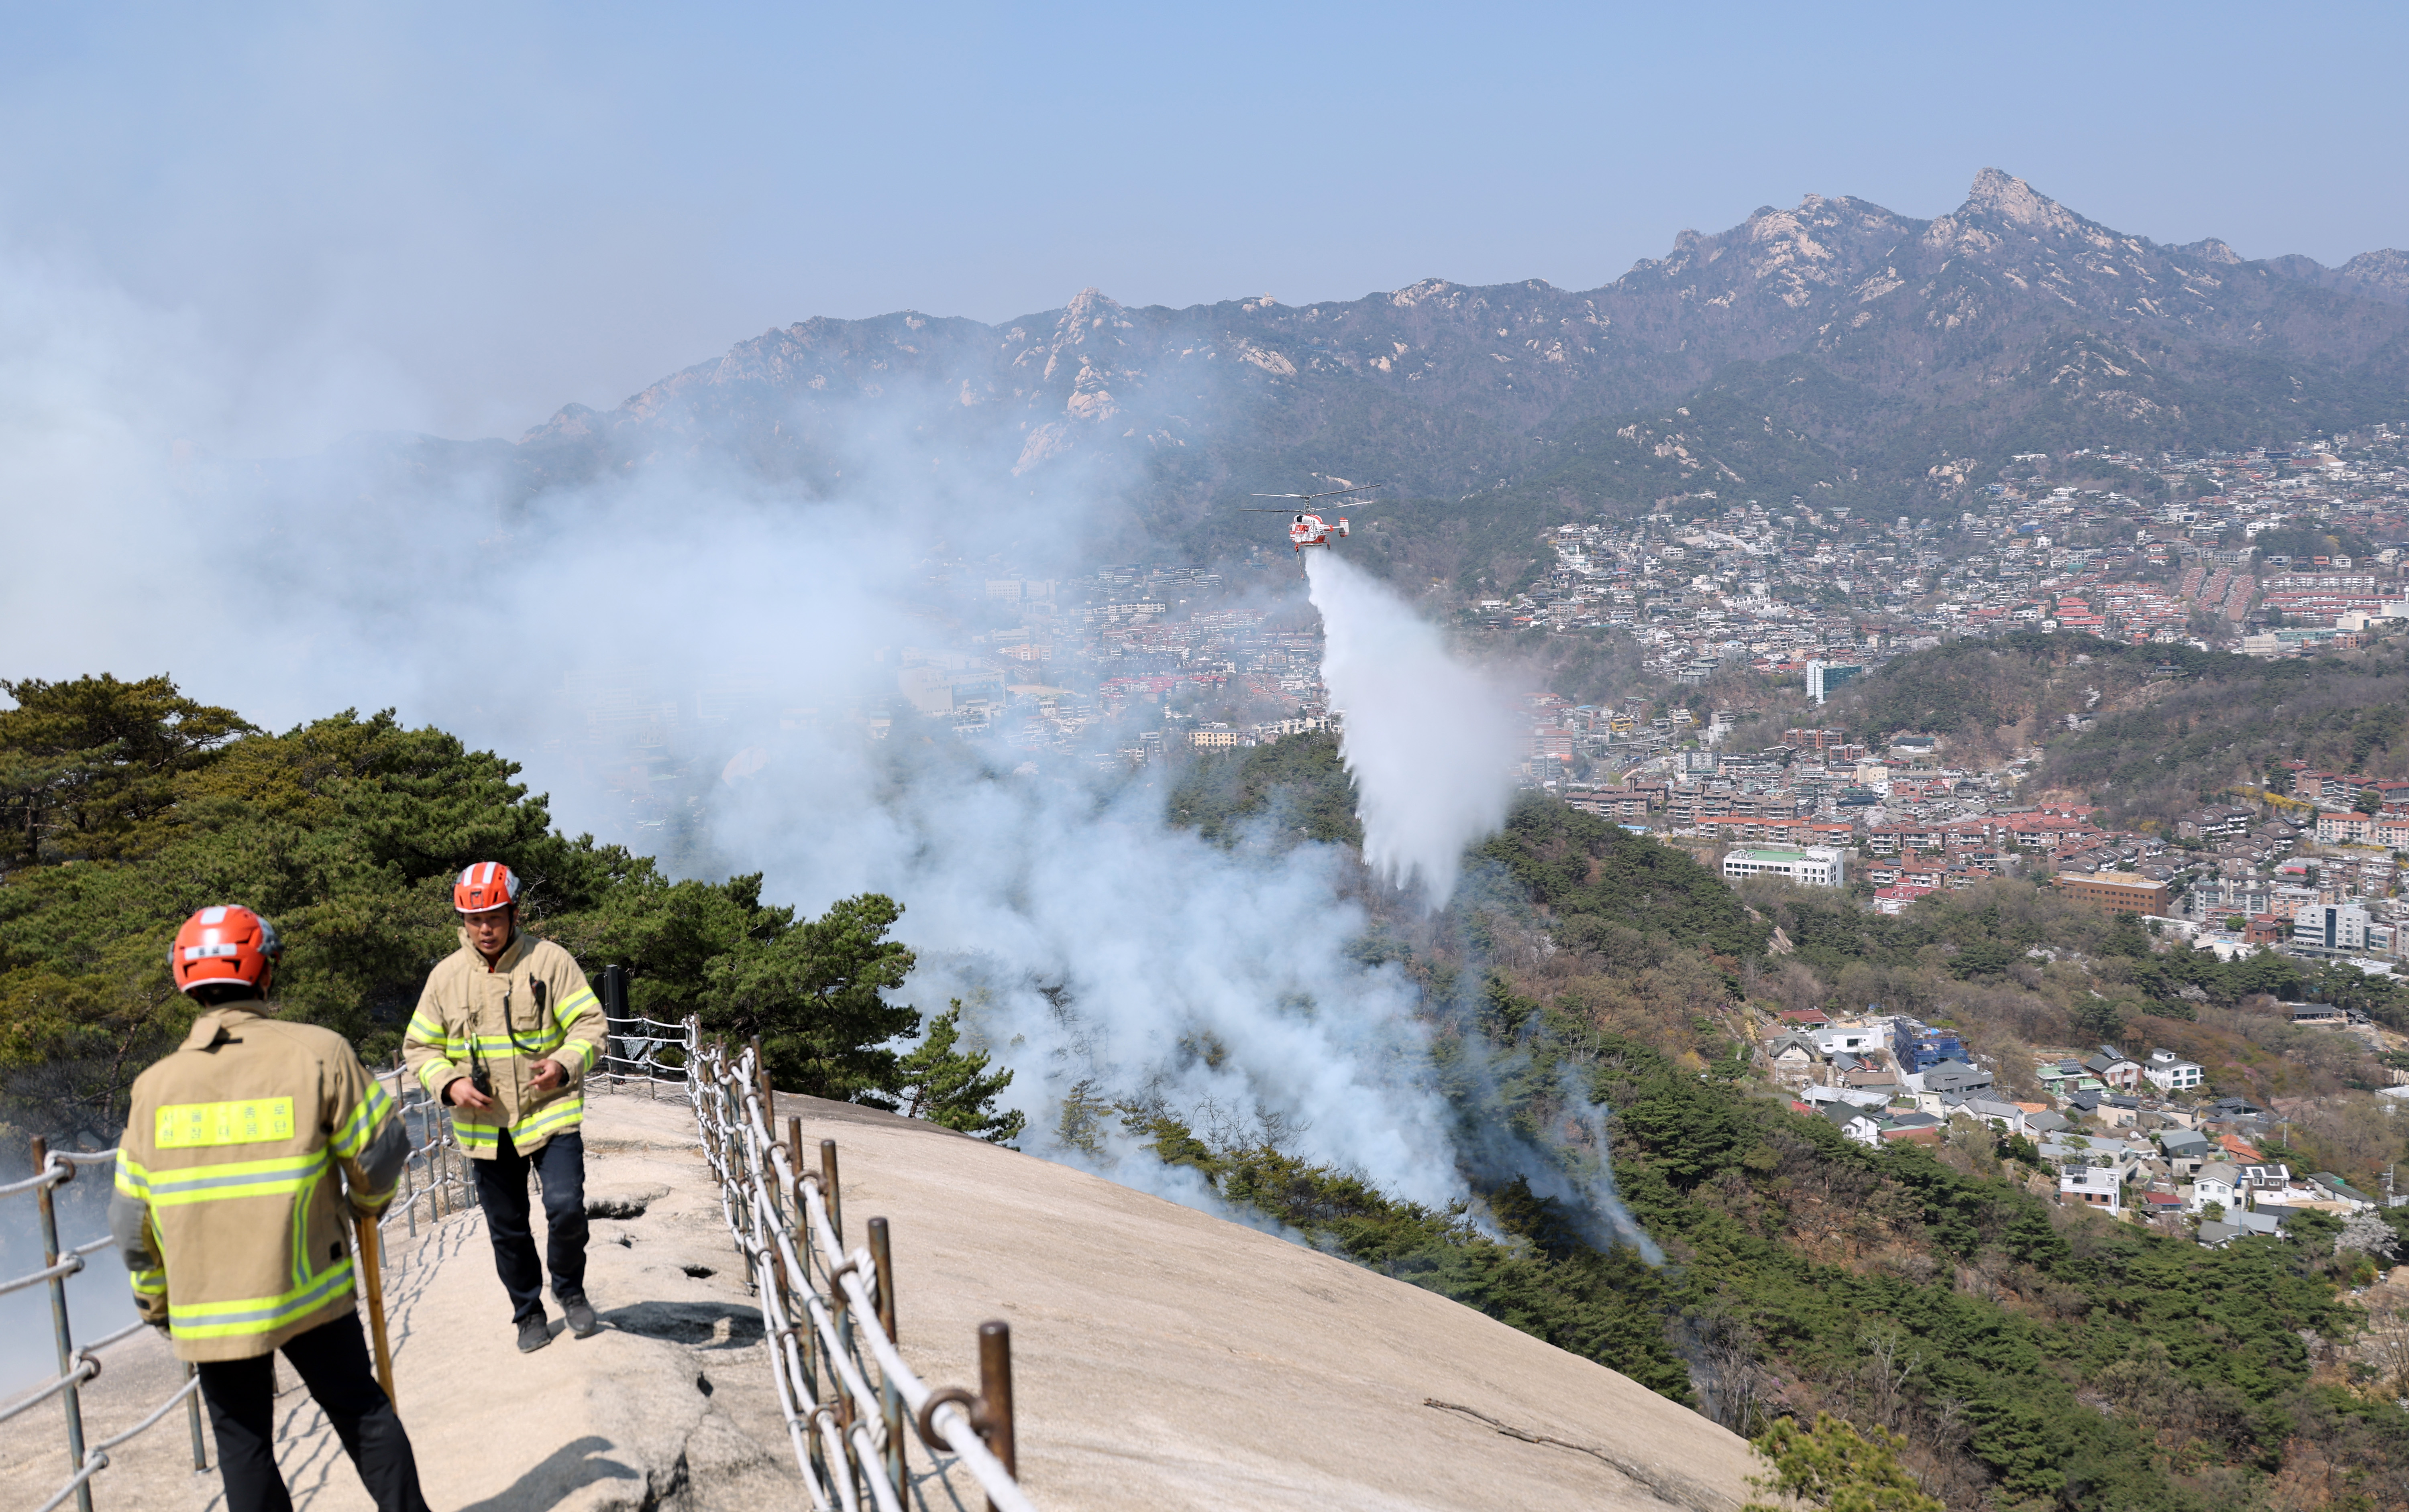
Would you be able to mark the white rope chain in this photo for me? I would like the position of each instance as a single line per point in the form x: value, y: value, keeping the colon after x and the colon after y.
x: 838, y: 1328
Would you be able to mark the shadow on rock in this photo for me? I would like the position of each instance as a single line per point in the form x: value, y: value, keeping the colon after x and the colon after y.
x: 564, y: 1472
x: 709, y: 1324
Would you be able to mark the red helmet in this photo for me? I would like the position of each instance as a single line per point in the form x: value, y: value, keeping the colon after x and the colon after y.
x: 484, y: 888
x: 225, y: 943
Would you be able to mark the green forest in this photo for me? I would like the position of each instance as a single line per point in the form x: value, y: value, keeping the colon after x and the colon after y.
x: 124, y: 806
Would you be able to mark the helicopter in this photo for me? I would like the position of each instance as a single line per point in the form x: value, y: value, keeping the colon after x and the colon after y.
x: 1306, y: 528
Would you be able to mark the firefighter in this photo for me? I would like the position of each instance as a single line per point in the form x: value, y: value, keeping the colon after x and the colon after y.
x: 236, y: 1238
x: 504, y: 1035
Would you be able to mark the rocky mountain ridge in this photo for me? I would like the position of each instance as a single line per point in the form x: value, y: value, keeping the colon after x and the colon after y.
x: 2376, y: 275
x: 1833, y: 346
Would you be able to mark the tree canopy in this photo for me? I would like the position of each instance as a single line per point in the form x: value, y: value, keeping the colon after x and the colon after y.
x: 131, y: 805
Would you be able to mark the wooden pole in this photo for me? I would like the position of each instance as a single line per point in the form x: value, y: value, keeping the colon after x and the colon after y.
x: 995, y: 1396
x: 366, y: 1230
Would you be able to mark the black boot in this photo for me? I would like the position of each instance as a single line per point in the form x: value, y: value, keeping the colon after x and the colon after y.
x: 580, y: 1313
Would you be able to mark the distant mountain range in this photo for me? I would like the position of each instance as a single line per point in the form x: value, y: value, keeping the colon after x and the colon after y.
x: 1834, y: 350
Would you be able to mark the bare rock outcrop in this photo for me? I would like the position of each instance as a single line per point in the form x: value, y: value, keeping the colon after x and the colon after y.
x: 1162, y: 1358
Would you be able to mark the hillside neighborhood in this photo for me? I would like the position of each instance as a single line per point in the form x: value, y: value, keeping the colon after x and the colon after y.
x: 2137, y: 1139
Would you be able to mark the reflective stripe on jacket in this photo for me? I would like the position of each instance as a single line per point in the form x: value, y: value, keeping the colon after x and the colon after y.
x: 245, y: 1155
x: 531, y: 1005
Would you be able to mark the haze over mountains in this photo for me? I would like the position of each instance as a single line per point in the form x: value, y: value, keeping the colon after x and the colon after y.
x: 1834, y: 350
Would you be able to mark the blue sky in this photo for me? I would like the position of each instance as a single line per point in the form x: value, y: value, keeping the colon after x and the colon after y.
x: 457, y: 218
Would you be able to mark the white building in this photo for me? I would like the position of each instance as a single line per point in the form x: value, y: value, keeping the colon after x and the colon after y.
x: 1822, y: 1097
x: 2094, y: 1185
x: 2334, y: 927
x: 2171, y: 1074
x: 2004, y: 1117
x: 2218, y: 1183
x: 1853, y: 1038
x: 1811, y: 866
x: 1825, y: 678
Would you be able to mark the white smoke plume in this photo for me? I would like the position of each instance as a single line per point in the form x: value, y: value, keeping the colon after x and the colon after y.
x: 1100, y: 947
x: 1428, y: 740
x: 1094, y: 943
x: 1100, y: 952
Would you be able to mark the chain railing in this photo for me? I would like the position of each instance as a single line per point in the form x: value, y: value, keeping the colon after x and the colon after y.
x: 78, y: 1367
x: 435, y: 1177
x: 447, y: 1187
x: 637, y: 1051
x: 851, y: 1404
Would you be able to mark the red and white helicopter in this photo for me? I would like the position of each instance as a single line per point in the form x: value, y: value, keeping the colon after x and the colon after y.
x: 1304, y: 528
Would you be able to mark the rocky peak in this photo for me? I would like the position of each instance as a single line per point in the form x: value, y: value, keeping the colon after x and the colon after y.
x: 1428, y: 289
x: 2378, y: 275
x: 1092, y: 308
x: 1091, y: 317
x: 2210, y: 250
x: 1778, y: 264
x: 2027, y: 238
x: 1087, y: 340
x: 2004, y: 196
x: 572, y: 420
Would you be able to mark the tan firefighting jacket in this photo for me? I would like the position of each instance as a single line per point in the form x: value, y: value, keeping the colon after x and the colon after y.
x: 532, y: 1005
x: 246, y: 1153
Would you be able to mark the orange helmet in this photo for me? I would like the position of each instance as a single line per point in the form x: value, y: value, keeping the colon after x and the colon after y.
x: 225, y: 943
x: 484, y: 888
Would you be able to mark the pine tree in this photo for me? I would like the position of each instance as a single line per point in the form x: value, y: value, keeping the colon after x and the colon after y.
x: 816, y: 994
x: 1830, y: 1465
x: 954, y: 1088
x: 88, y: 769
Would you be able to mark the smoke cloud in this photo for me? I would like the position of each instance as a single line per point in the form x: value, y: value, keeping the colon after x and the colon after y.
x: 1106, y: 955
x: 1428, y: 740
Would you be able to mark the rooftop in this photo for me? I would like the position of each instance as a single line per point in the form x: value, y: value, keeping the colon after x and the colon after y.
x: 2116, y: 879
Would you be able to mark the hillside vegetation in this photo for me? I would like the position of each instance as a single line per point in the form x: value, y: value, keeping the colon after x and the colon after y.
x: 2167, y: 727
x: 1287, y: 791
x: 2030, y: 1355
x: 1589, y: 983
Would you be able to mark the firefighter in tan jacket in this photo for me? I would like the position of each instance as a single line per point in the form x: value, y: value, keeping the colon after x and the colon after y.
x: 247, y: 1153
x: 504, y: 1035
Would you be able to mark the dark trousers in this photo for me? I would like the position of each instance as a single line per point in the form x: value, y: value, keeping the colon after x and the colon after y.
x: 502, y: 1188
x: 333, y: 1361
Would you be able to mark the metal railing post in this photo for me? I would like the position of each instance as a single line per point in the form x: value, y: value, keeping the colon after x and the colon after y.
x: 769, y: 1116
x: 73, y: 1396
x: 409, y: 1198
x: 615, y: 1008
x: 193, y: 1419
